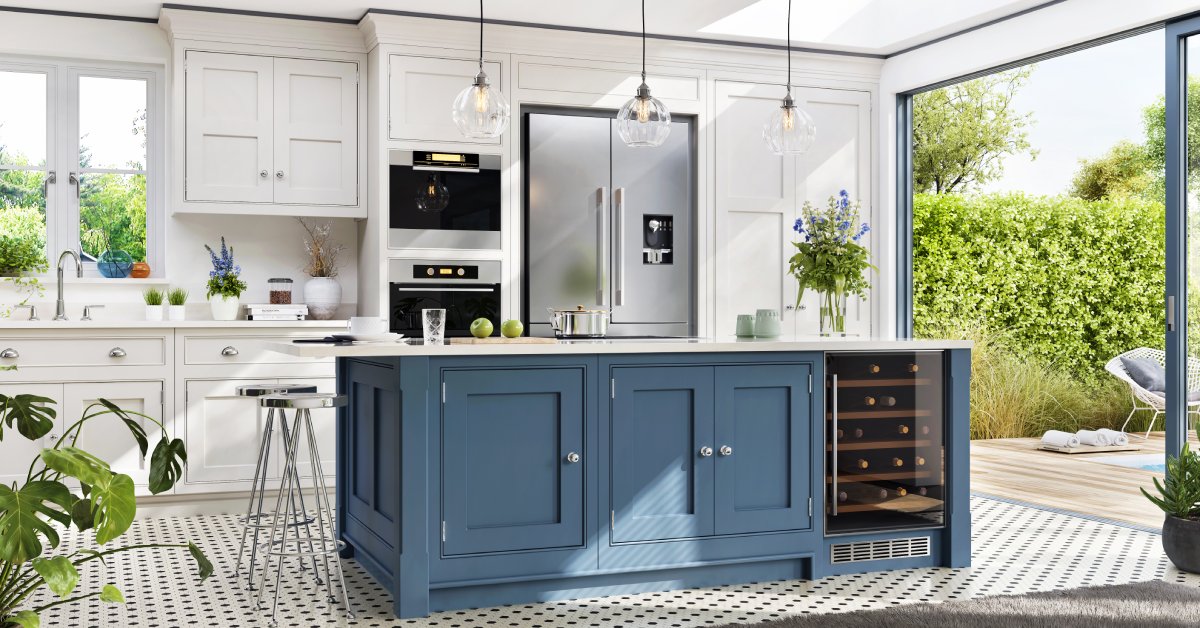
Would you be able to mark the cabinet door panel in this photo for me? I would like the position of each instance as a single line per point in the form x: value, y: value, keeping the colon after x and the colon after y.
x: 324, y: 428
x: 763, y: 417
x: 105, y: 436
x: 18, y: 451
x: 316, y: 132
x: 229, y: 114
x: 507, y: 482
x: 224, y: 432
x: 661, y: 486
x: 422, y: 90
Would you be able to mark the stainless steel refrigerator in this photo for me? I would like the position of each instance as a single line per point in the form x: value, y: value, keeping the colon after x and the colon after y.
x: 608, y: 225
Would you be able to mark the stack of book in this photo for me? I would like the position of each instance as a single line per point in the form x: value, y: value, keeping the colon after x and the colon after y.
x: 276, y: 312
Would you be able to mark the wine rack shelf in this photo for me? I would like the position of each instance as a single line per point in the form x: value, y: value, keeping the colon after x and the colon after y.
x: 879, y: 414
x: 858, y: 478
x: 908, y: 503
x: 879, y: 444
x: 883, y: 383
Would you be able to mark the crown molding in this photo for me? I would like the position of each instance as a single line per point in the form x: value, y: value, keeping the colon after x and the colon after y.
x: 186, y: 24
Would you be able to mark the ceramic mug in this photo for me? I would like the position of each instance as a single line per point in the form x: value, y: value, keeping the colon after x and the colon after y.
x: 766, y: 323
x: 367, y: 325
x: 745, y: 326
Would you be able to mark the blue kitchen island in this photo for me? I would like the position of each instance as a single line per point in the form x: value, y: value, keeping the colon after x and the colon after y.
x: 485, y: 474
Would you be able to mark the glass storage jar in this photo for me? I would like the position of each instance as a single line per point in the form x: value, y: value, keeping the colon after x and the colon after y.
x: 281, y: 290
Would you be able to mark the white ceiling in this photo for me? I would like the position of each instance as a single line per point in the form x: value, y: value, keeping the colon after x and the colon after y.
x: 865, y: 26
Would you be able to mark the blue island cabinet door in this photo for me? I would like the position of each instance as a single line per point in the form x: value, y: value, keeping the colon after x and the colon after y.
x: 661, y: 467
x: 763, y: 423
x: 512, y: 469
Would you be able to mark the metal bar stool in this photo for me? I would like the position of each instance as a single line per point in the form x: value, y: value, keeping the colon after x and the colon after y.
x: 254, y: 510
x: 321, y: 545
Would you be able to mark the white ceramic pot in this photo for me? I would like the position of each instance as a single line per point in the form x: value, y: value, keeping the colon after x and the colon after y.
x: 224, y: 308
x: 323, y: 295
x: 175, y: 312
x: 154, y: 312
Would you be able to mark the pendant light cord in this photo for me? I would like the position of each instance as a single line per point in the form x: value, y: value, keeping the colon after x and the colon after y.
x: 789, y: 46
x: 481, y: 34
x: 644, y: 41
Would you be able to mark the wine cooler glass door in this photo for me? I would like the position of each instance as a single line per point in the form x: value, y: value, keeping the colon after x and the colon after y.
x: 884, y: 464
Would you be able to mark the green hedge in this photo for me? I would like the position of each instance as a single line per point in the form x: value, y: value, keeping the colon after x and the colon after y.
x: 1069, y: 282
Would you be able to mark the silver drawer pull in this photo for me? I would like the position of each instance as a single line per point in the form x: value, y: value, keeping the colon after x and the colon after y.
x: 725, y: 450
x: 572, y: 457
x: 705, y: 452
x: 229, y: 351
x: 117, y: 352
x: 10, y: 354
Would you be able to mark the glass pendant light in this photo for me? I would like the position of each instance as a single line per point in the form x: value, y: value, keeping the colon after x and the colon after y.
x: 434, y: 196
x: 644, y: 120
x: 790, y: 130
x: 480, y: 110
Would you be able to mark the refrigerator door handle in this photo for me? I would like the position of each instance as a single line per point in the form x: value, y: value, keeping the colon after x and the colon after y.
x: 619, y: 239
x: 601, y: 242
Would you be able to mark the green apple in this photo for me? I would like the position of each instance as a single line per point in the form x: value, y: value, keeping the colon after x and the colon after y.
x: 512, y: 328
x: 481, y: 328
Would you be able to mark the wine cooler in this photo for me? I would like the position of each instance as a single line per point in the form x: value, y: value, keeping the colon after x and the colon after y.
x: 884, y: 467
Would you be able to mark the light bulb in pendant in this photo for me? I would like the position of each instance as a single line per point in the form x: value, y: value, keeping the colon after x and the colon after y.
x: 480, y: 111
x: 790, y: 130
x: 644, y: 120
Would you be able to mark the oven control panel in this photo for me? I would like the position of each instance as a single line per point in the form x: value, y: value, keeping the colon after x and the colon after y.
x: 427, y: 271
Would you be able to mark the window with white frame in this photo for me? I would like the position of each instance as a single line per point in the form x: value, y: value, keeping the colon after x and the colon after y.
x: 80, y: 153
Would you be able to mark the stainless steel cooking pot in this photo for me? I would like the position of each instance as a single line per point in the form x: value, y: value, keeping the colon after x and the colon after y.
x: 579, y: 322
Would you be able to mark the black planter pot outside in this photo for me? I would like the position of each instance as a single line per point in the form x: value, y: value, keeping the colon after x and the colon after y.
x: 1181, y: 542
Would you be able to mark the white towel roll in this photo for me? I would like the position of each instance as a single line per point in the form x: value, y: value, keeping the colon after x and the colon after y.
x: 1119, y: 439
x: 1096, y: 438
x: 1060, y: 439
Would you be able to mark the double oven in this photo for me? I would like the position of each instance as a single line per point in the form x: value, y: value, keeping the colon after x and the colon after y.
x: 467, y: 290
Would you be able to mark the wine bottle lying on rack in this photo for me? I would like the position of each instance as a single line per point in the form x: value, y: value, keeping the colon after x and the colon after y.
x: 862, y: 493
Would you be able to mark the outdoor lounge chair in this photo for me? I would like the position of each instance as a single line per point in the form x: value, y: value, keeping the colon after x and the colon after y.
x: 1144, y: 400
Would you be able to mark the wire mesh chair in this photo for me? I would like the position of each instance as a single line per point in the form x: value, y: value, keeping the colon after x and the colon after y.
x: 1146, y: 401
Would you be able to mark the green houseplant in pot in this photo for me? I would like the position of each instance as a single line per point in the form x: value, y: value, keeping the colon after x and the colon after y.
x: 20, y: 256
x: 1179, y: 497
x: 33, y: 512
x: 154, y: 300
x: 177, y: 301
x: 225, y: 286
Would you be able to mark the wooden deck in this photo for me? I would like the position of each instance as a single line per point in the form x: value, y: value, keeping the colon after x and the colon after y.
x: 1014, y: 468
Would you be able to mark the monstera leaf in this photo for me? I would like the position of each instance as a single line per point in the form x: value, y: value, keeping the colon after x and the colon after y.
x: 59, y: 574
x: 111, y: 495
x: 135, y: 428
x: 21, y: 518
x: 32, y: 414
x: 166, y: 464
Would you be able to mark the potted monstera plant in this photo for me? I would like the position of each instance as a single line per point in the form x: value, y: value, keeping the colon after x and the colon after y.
x: 1179, y: 498
x: 33, y: 512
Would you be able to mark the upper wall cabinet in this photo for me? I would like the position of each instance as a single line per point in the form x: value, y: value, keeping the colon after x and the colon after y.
x: 271, y: 135
x: 421, y: 92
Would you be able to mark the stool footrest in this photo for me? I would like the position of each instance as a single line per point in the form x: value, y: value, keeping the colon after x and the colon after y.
x: 321, y: 547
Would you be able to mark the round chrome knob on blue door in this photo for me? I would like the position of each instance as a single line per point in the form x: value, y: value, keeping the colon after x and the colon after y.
x: 725, y: 450
x: 572, y: 457
x: 705, y: 452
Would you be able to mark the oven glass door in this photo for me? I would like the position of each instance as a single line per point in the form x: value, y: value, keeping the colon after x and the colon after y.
x: 470, y: 200
x: 463, y: 304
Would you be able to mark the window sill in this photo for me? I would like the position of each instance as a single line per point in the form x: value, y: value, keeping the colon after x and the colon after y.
x: 105, y: 281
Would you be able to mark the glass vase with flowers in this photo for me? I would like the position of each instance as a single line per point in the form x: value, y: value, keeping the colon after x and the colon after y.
x: 831, y: 258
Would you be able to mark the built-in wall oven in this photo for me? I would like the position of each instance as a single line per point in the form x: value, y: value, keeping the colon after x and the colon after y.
x: 467, y: 290
x: 443, y: 200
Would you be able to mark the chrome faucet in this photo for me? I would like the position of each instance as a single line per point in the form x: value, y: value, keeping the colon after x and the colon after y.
x: 60, y: 308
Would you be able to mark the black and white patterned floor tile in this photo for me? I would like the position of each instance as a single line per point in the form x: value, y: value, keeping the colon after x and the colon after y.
x: 1017, y: 549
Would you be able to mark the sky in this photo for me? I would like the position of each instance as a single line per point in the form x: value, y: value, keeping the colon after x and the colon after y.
x: 1082, y: 104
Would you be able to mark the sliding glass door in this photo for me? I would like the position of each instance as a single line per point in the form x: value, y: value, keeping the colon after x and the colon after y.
x: 1182, y: 148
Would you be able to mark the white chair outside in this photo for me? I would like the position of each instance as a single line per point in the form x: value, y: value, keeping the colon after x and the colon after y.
x: 1144, y: 400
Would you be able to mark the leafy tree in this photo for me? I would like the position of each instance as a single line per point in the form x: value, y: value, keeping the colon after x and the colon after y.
x: 1154, y: 119
x: 963, y: 132
x: 1126, y: 170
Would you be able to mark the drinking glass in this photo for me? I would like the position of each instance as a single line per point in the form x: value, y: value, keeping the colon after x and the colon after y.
x: 434, y: 323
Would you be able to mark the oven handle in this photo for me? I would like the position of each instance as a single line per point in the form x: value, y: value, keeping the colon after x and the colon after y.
x: 444, y: 289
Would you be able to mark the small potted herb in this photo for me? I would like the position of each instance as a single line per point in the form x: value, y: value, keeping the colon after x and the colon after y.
x: 176, y: 298
x: 225, y: 286
x: 154, y: 300
x: 1179, y: 497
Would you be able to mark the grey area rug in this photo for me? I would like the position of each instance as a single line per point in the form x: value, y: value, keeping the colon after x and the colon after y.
x: 1150, y: 604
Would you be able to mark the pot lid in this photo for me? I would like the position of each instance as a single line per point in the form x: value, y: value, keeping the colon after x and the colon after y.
x: 579, y: 309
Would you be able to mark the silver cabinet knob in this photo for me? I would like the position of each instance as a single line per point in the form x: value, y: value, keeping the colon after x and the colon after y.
x: 264, y: 174
x: 117, y: 352
x: 725, y: 450
x: 52, y: 437
x: 705, y: 452
x: 789, y: 307
x: 279, y: 174
x: 229, y: 351
x: 572, y: 457
x: 10, y: 354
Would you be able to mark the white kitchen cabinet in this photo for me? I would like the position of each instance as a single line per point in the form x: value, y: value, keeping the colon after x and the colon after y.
x: 324, y: 428
x: 18, y: 451
x: 223, y: 432
x: 421, y: 92
x: 758, y: 196
x: 106, y: 436
x: 270, y: 130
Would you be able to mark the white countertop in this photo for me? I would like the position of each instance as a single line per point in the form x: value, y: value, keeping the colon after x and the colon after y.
x: 617, y: 345
x: 45, y: 323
